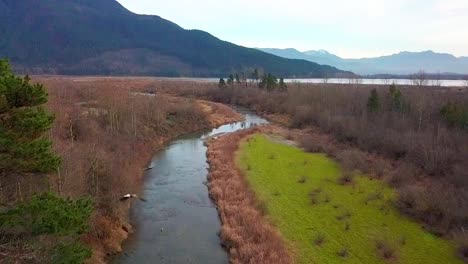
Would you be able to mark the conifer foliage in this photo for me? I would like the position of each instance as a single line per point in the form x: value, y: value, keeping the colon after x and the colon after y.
x: 24, y: 122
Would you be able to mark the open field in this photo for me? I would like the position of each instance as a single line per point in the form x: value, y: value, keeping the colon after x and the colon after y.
x: 326, y: 221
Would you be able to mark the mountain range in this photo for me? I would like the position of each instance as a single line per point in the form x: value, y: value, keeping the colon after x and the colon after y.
x: 101, y: 37
x: 401, y: 63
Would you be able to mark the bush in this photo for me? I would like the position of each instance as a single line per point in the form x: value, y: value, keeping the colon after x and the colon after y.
x: 455, y: 115
x: 70, y: 253
x: 344, y: 253
x: 314, y: 145
x: 462, y: 241
x: 352, y: 160
x: 49, y: 214
x: 319, y: 239
x: 403, y: 174
x: 385, y: 250
x: 380, y: 168
x: 346, y: 178
x: 440, y: 207
x: 302, y: 179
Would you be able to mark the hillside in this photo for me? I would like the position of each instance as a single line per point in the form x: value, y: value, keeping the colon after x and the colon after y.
x: 400, y: 63
x: 102, y: 37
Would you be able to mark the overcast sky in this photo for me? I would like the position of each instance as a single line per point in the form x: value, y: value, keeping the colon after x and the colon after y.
x: 348, y: 28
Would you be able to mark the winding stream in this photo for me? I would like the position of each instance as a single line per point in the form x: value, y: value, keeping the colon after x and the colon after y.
x: 179, y: 223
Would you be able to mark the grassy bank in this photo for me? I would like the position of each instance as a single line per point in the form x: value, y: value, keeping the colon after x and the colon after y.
x: 244, y: 232
x: 328, y: 219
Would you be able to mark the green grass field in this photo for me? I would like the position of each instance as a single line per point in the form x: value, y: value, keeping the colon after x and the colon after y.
x: 326, y: 222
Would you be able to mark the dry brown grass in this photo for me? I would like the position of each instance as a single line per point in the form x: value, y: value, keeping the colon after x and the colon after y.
x: 245, y: 232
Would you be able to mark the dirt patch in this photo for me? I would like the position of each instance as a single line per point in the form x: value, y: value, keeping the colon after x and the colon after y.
x: 245, y: 232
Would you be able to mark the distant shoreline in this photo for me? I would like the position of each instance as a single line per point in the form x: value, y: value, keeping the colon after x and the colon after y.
x: 341, y: 81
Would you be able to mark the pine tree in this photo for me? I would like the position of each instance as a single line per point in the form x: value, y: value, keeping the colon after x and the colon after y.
x: 268, y: 82
x: 255, y: 75
x: 238, y: 81
x: 396, y: 98
x: 373, y: 103
x: 230, y: 80
x: 455, y: 115
x: 221, y: 83
x: 23, y: 124
x: 282, y: 85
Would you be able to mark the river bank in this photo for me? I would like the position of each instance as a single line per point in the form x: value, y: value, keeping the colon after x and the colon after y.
x: 119, y: 230
x: 178, y: 210
x: 257, y: 184
x: 105, y: 132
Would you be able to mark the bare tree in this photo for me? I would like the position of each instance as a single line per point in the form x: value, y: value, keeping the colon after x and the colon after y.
x: 326, y: 78
x: 436, y: 80
x: 355, y: 80
x: 386, y: 80
x: 419, y: 78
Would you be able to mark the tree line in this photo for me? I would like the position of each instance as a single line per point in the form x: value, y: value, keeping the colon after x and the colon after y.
x: 265, y: 81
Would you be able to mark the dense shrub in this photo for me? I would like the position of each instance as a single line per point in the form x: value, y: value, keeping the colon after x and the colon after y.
x: 442, y: 208
x: 351, y: 159
x: 455, y: 115
x: 50, y: 214
x: 310, y: 144
x: 49, y: 218
x: 386, y: 251
x: 70, y: 253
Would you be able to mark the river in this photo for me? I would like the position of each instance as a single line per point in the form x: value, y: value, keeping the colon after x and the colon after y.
x: 179, y: 223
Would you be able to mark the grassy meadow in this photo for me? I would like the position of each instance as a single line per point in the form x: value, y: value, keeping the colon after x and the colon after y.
x: 327, y: 220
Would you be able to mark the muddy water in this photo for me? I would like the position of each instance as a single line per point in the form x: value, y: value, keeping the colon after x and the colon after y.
x: 179, y: 223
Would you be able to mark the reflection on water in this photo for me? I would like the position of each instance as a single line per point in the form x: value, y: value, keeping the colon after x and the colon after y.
x: 179, y: 223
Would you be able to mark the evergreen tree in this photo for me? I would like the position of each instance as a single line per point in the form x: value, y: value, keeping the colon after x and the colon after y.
x: 373, y: 103
x: 23, y: 124
x: 230, y: 80
x: 238, y: 81
x: 396, y: 98
x: 268, y: 82
x: 255, y: 75
x: 455, y: 115
x: 221, y: 83
x: 263, y: 82
x: 282, y: 85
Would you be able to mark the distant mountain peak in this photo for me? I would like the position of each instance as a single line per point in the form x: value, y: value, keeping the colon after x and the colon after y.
x: 404, y: 62
x: 323, y: 51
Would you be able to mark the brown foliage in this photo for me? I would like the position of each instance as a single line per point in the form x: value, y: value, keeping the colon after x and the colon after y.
x: 441, y: 207
x: 462, y: 240
x: 245, y: 232
x: 106, y: 131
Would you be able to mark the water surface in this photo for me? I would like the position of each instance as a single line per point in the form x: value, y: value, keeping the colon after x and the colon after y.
x: 179, y: 223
